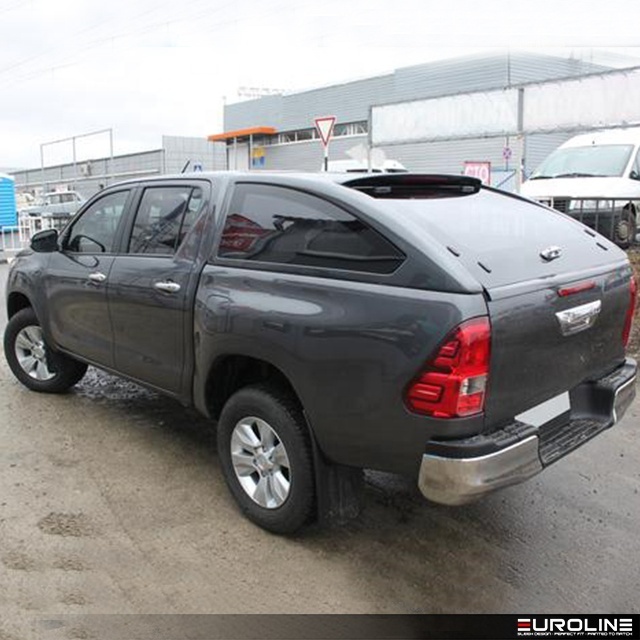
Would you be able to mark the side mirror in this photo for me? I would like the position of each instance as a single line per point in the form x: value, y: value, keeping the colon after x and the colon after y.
x: 45, y: 241
x: 634, y: 175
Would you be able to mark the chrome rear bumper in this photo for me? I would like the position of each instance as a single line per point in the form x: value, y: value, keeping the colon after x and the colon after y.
x: 459, y: 480
x: 457, y: 472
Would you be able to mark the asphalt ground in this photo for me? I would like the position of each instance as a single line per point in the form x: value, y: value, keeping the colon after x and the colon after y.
x: 112, y: 501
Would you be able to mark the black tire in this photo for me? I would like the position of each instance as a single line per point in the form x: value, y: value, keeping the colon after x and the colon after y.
x: 624, y: 231
x: 64, y: 371
x: 283, y: 415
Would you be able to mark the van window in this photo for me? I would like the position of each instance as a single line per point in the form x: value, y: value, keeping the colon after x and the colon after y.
x: 606, y: 160
x: 636, y: 166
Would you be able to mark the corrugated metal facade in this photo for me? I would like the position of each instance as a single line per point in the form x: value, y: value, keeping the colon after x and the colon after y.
x: 308, y: 156
x: 434, y: 157
x: 197, y: 151
x: 88, y: 177
x: 350, y: 101
x: 450, y: 156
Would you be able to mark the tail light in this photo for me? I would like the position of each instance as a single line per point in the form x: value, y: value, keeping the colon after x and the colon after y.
x: 453, y: 383
x: 626, y: 332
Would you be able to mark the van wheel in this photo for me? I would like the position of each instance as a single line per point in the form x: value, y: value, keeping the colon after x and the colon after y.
x: 33, y: 362
x: 266, y: 458
x: 624, y: 233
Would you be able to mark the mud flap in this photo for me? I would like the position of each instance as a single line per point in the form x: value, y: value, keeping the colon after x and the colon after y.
x: 339, y: 490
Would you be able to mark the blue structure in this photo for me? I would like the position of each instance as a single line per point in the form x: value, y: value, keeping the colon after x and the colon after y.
x: 8, y: 213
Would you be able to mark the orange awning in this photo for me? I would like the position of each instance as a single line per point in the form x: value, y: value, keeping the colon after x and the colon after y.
x: 242, y: 133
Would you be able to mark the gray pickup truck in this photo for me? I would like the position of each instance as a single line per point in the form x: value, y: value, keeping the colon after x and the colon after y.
x: 418, y: 324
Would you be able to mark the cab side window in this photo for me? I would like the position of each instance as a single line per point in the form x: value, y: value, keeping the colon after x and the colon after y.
x: 95, y: 230
x: 164, y: 218
x: 280, y: 225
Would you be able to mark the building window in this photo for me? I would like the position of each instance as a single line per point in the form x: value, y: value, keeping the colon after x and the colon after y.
x: 303, y: 135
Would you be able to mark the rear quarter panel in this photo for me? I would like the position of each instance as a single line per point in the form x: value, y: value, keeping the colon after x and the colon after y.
x: 348, y: 348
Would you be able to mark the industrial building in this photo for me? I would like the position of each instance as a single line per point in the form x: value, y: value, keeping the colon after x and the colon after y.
x: 89, y: 176
x: 466, y: 102
x: 277, y: 131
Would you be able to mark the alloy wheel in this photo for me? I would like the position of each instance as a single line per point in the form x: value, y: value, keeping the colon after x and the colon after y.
x: 31, y: 353
x: 260, y: 462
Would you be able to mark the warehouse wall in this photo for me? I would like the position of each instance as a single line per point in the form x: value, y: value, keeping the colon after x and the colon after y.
x: 308, y: 156
x: 434, y: 157
x: 350, y: 101
x: 102, y: 171
x: 198, y: 151
x: 88, y: 177
x: 450, y: 156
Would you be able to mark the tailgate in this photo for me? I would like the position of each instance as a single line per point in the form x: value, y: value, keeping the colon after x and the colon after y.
x: 539, y: 352
x: 544, y: 341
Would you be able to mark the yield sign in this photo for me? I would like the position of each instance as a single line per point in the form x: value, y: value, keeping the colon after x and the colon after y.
x: 324, y: 127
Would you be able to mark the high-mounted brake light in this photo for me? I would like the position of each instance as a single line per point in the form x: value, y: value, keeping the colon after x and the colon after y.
x: 628, y: 321
x: 578, y: 288
x: 453, y: 383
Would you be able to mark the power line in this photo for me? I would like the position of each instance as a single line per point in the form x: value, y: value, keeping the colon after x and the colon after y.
x: 15, y: 6
x: 97, y: 25
x: 71, y: 59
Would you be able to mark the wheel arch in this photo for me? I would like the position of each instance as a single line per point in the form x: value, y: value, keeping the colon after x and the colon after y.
x: 230, y: 372
x: 16, y: 302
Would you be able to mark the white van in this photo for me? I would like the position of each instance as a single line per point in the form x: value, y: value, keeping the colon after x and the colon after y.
x: 594, y: 177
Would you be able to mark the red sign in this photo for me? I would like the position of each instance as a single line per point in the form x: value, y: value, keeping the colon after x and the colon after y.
x: 480, y: 170
x: 324, y: 126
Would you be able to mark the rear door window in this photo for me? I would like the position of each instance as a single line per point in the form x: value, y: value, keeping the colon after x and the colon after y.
x: 163, y: 219
x: 279, y: 225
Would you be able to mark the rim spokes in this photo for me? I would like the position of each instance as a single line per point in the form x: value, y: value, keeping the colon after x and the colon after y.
x: 260, y: 462
x: 243, y: 463
x: 31, y: 353
x: 246, y: 435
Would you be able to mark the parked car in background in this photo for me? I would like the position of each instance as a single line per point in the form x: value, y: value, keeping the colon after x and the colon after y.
x: 24, y: 200
x: 595, y: 178
x: 418, y: 324
x: 58, y: 204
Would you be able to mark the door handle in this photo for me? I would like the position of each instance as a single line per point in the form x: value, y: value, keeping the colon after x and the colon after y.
x: 97, y: 277
x: 167, y: 287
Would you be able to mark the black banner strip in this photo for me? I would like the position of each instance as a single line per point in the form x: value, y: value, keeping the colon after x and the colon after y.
x: 338, y: 627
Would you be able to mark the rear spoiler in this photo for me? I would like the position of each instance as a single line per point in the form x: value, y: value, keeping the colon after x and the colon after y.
x: 413, y: 185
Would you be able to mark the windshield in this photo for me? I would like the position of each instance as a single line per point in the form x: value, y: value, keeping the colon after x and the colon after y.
x: 576, y: 162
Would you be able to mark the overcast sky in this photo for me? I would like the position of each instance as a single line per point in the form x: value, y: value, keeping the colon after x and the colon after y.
x: 152, y: 67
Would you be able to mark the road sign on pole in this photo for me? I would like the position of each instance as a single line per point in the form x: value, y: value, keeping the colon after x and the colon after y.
x: 324, y: 127
x: 478, y: 169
